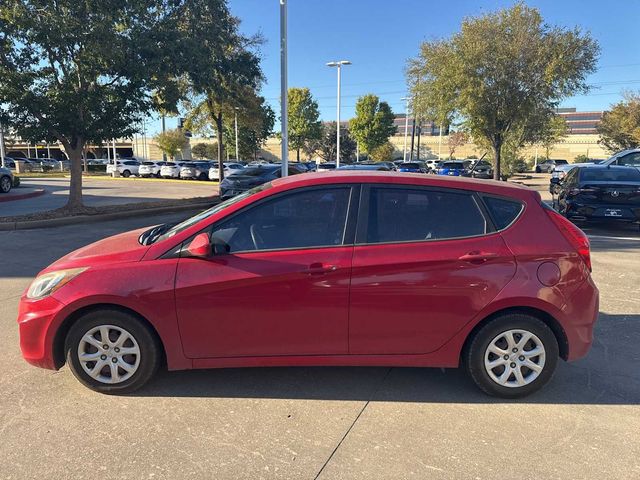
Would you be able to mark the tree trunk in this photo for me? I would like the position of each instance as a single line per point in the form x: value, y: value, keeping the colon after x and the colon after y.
x: 297, y: 155
x: 220, y: 147
x: 74, y: 203
x: 497, y: 148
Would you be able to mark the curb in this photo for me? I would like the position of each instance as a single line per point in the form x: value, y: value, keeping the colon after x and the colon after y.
x: 22, y: 196
x: 59, y: 222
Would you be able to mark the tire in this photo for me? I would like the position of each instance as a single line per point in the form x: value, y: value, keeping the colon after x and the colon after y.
x: 5, y: 184
x: 203, y: 176
x: 140, y: 366
x: 126, y: 174
x: 493, y: 337
x: 538, y: 170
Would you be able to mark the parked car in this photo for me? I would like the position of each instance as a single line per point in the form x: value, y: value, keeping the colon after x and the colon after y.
x: 546, y: 166
x: 479, y: 169
x: 389, y: 165
x: 195, y: 170
x: 126, y: 168
x: 230, y: 168
x: 624, y: 158
x: 433, y: 164
x: 601, y: 193
x: 151, y: 169
x: 326, y: 166
x: 366, y: 166
x: 472, y: 274
x: 251, y: 177
x: 412, y: 167
x: 454, y: 168
x: 171, y: 169
x: 6, y: 180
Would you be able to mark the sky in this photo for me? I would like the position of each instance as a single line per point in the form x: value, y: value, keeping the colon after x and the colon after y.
x: 379, y: 36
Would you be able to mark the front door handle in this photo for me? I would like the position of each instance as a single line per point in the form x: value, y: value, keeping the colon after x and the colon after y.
x: 320, y: 268
x: 477, y: 256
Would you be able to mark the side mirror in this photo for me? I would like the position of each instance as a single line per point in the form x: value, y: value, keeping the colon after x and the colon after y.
x: 200, y: 246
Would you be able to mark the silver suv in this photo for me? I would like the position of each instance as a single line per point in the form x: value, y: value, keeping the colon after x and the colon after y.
x: 6, y: 180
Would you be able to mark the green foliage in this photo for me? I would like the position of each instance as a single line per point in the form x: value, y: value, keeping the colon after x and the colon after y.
x: 255, y: 125
x: 79, y: 72
x: 503, y: 74
x: 204, y: 150
x: 171, y: 142
x: 373, y: 124
x: 551, y: 131
x: 304, y: 124
x: 383, y: 153
x: 456, y: 139
x: 620, y: 126
x: 581, y: 159
x: 326, y: 146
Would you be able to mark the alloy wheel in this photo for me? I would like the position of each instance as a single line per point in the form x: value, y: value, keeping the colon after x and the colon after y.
x: 109, y: 354
x: 5, y: 184
x: 514, y: 358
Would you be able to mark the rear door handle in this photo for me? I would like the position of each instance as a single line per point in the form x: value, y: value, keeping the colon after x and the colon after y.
x: 477, y: 257
x: 320, y: 268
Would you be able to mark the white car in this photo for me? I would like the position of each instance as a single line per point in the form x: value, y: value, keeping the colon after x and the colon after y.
x: 151, y: 169
x: 230, y: 168
x: 171, y: 169
x: 125, y: 167
x: 195, y: 170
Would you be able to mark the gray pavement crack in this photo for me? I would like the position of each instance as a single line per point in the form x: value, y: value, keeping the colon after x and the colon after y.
x: 373, y: 395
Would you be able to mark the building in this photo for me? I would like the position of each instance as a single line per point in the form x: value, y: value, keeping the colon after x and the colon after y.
x: 580, y: 123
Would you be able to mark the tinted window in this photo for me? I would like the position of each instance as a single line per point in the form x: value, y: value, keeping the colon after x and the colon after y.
x: 632, y: 159
x: 405, y: 214
x: 258, y: 172
x: 131, y: 162
x: 410, y: 165
x: 309, y: 218
x: 502, y: 211
x: 561, y: 162
x: 452, y: 165
x: 610, y: 175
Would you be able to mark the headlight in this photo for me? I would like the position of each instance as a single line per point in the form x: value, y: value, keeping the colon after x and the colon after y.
x: 48, y: 283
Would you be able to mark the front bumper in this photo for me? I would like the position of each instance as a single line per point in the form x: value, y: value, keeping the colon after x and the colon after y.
x: 35, y: 318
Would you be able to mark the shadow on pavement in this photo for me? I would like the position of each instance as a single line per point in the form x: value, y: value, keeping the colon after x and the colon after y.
x: 607, y: 376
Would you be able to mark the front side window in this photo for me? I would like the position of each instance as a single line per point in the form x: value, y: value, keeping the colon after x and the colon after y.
x: 632, y: 160
x: 302, y: 219
x: 412, y: 214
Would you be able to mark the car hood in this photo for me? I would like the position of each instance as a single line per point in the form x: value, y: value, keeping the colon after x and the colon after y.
x: 117, y: 249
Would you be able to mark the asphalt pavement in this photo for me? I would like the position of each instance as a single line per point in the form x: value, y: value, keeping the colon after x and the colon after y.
x: 329, y: 423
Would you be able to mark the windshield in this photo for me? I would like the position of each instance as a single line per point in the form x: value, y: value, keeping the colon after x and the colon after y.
x: 212, y: 211
x: 258, y: 171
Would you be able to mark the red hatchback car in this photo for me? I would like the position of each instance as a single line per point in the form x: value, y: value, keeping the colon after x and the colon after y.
x: 334, y: 268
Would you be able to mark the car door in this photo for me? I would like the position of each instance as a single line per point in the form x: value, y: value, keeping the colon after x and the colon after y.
x: 426, y: 261
x: 283, y: 286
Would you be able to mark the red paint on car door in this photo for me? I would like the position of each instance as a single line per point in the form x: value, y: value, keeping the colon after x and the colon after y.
x: 411, y: 298
x: 289, y: 302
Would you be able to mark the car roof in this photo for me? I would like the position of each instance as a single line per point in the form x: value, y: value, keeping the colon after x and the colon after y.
x: 399, y: 178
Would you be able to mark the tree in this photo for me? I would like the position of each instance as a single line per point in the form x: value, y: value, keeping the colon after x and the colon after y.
x: 255, y: 125
x: 80, y: 72
x: 223, y: 67
x: 304, y: 124
x: 551, y: 132
x: 456, y: 139
x: 620, y: 126
x: 204, y: 150
x: 373, y: 124
x: 383, y: 153
x: 171, y: 142
x: 326, y: 146
x: 499, y: 70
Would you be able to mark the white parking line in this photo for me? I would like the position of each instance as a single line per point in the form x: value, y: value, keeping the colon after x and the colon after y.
x: 606, y: 237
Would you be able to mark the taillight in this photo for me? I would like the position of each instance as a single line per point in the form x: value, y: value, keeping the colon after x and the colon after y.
x: 576, y: 237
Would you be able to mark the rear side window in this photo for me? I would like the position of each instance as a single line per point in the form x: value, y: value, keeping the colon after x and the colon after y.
x: 408, y: 214
x: 502, y: 211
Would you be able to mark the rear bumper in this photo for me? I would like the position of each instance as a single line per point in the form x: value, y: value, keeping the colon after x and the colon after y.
x: 604, y: 212
x: 581, y: 314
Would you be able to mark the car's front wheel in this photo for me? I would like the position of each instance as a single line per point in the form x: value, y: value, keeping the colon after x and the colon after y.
x: 111, y: 351
x: 512, y: 356
x: 126, y: 174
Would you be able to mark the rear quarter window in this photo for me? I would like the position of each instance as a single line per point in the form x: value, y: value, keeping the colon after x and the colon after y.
x: 503, y: 211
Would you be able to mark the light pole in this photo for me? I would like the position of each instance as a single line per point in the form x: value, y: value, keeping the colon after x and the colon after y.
x: 1, y: 145
x: 338, y: 64
x: 236, y: 127
x: 283, y: 88
x: 406, y: 128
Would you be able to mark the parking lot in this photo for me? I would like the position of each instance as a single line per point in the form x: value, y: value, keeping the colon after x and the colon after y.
x: 323, y: 422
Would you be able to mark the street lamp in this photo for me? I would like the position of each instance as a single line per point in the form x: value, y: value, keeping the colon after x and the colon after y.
x: 284, y: 89
x: 338, y: 64
x: 406, y: 128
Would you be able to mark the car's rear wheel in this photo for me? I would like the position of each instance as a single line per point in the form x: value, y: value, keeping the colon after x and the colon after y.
x: 203, y: 176
x: 111, y: 351
x: 512, y: 356
x: 5, y: 184
x: 126, y: 174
